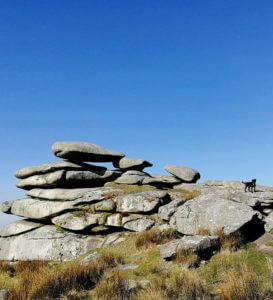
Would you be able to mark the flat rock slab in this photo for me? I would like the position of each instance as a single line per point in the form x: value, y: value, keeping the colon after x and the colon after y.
x: 233, y: 184
x: 140, y: 202
x: 33, y: 208
x: 126, y: 163
x: 76, y: 222
x: 85, y: 194
x: 55, y: 166
x: 18, y: 227
x: 70, y: 179
x: 246, y: 198
x: 213, y: 213
x: 80, y: 151
x: 47, y: 243
x: 166, y: 179
x: 186, y: 174
x: 45, y: 180
x: 195, y: 244
x: 132, y: 177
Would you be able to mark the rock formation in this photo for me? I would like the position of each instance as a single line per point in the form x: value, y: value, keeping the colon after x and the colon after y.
x: 73, y: 206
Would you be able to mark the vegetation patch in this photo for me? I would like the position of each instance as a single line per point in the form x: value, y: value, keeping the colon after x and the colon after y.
x: 186, y: 195
x: 126, y: 189
x: 154, y: 237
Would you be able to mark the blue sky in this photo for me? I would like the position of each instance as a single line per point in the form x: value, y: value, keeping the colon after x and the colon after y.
x: 174, y: 82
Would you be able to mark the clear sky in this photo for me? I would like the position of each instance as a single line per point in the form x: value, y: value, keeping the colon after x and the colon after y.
x: 174, y: 82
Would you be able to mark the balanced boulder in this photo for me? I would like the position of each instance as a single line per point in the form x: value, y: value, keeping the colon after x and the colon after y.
x: 184, y: 173
x: 126, y: 164
x: 80, y: 151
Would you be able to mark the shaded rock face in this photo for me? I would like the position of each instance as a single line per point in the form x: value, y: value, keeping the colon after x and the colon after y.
x: 80, y: 151
x: 198, y: 244
x: 212, y: 213
x: 186, y: 174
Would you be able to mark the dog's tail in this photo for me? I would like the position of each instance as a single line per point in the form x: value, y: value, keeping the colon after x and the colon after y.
x: 243, y: 182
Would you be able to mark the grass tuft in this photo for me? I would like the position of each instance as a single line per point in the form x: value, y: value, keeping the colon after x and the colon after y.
x: 113, y: 286
x: 154, y: 236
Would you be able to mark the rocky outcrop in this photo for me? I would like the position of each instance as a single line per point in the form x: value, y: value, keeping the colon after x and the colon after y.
x: 72, y: 206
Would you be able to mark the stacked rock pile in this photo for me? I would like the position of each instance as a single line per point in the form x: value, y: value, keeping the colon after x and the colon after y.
x: 72, y: 196
x: 73, y: 206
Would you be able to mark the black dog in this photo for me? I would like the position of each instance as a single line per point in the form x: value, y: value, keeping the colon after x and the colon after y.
x: 250, y: 185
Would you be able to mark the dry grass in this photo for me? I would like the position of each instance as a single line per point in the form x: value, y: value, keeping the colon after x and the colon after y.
x: 154, y: 237
x: 232, y: 241
x: 203, y: 231
x: 241, y: 285
x: 186, y: 195
x: 113, y: 286
x: 181, y: 284
x: 186, y: 257
x: 40, y: 281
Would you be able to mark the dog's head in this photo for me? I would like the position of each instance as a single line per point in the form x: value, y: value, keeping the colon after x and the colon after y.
x: 253, y: 180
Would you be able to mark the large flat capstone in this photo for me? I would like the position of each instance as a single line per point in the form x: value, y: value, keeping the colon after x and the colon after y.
x: 80, y: 151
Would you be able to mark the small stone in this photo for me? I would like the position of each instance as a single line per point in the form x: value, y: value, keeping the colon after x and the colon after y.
x: 105, y: 205
x: 139, y: 225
